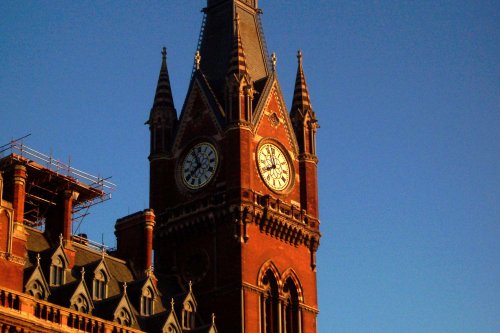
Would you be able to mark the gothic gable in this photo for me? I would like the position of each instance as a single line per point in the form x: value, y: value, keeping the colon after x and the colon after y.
x: 201, y: 114
x: 171, y: 324
x: 81, y: 299
x: 272, y: 119
x: 36, y: 285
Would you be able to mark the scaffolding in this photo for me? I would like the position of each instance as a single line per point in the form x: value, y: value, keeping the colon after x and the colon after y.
x: 47, y: 176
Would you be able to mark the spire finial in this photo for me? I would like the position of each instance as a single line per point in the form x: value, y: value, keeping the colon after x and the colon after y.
x: 190, y: 286
x: 172, y: 303
x: 299, y: 56
x: 38, y: 259
x: 197, y: 59
x: 164, y: 53
x: 61, y: 240
x: 82, y: 272
x: 213, y: 318
x: 103, y: 252
x: 274, y: 59
x: 124, y: 287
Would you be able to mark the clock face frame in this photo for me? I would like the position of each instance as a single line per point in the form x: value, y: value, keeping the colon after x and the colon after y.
x: 274, y: 166
x: 199, y: 165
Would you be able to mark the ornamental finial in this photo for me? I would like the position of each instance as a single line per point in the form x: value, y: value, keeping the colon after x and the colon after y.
x: 190, y: 286
x: 82, y: 272
x: 124, y: 287
x: 273, y: 61
x: 213, y: 318
x: 299, y: 56
x: 172, y: 303
x: 61, y: 240
x: 38, y: 259
x: 164, y: 53
x: 197, y: 59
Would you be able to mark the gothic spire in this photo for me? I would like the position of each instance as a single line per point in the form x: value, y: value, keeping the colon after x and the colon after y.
x: 163, y: 97
x: 301, y: 99
x: 163, y: 117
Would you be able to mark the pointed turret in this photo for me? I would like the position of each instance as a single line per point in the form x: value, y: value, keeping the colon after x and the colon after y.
x: 305, y: 126
x: 163, y: 117
x: 301, y: 100
x: 239, y: 87
x: 162, y: 123
x: 303, y: 117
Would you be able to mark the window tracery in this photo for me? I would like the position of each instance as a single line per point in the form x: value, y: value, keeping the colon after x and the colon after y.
x: 36, y: 289
x: 81, y: 304
x: 123, y: 317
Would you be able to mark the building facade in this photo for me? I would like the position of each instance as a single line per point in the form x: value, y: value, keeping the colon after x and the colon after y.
x: 233, y: 225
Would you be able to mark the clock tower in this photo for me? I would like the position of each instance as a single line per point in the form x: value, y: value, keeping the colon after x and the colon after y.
x: 233, y: 180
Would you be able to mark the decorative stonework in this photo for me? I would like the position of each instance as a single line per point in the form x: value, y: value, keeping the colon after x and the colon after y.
x: 274, y: 119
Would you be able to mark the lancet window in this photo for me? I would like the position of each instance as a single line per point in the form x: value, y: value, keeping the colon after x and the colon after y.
x: 100, y: 284
x: 270, y: 307
x: 57, y: 271
x: 147, y: 299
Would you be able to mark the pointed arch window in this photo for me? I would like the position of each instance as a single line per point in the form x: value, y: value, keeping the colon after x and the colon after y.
x: 188, y: 316
x: 57, y: 271
x: 124, y: 318
x: 147, y: 299
x: 81, y: 303
x: 291, y: 320
x: 100, y: 284
x: 36, y: 290
x: 270, y: 308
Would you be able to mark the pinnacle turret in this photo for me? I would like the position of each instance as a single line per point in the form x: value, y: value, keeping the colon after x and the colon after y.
x: 237, y: 61
x: 303, y: 117
x: 301, y: 101
x: 163, y: 117
x: 163, y: 97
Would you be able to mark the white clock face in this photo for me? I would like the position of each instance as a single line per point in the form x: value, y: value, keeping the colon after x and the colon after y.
x: 199, y: 165
x: 273, y: 166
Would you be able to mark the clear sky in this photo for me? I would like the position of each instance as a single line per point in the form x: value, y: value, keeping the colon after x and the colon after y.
x: 407, y: 95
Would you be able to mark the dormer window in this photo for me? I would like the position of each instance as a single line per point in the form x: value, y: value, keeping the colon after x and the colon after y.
x: 81, y: 304
x: 100, y: 284
x: 147, y: 302
x: 188, y: 316
x: 36, y: 290
x: 57, y: 271
x: 123, y: 317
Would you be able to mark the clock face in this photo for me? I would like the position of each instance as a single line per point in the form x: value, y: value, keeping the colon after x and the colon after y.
x: 199, y: 165
x: 273, y: 166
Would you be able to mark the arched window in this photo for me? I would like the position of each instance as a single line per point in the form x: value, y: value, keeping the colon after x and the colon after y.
x: 171, y: 329
x: 147, y: 302
x: 188, y: 316
x: 291, y: 320
x: 100, y: 284
x: 123, y: 317
x: 270, y: 304
x: 81, y: 304
x: 36, y: 290
x: 57, y: 271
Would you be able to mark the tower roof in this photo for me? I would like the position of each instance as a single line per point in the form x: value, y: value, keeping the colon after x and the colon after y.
x: 218, y: 37
x: 301, y: 100
x: 163, y: 101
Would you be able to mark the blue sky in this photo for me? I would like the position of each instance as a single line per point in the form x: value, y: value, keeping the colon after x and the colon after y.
x: 407, y: 97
